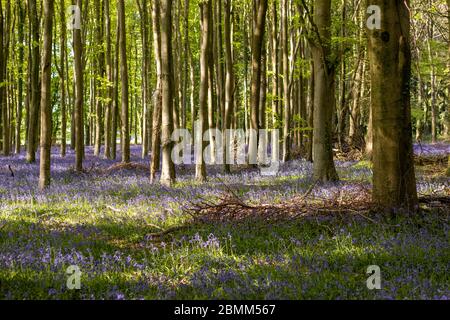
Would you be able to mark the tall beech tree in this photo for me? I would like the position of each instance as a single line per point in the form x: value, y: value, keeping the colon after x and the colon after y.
x: 110, y: 78
x: 167, y: 93
x: 124, y: 112
x: 229, y: 77
x: 206, y: 29
x: 394, y: 182
x: 157, y: 98
x: 259, y: 26
x: 79, y: 93
x: 324, y: 97
x: 46, y: 92
x: 34, y: 91
x: 62, y: 72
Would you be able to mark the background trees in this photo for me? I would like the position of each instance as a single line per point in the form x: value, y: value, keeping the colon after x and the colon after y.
x: 300, y: 66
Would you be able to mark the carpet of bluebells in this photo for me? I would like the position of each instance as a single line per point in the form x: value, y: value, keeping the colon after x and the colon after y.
x: 100, y: 221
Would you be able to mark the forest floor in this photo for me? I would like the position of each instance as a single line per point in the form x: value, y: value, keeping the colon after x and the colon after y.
x: 241, y: 236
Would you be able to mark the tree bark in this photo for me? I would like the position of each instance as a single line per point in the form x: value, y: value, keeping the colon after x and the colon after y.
x: 79, y: 92
x: 100, y: 73
x: 125, y: 133
x: 156, y: 127
x: 21, y: 13
x: 205, y: 10
x: 110, y: 78
x: 167, y: 92
x: 34, y: 78
x: 390, y: 65
x: 46, y: 98
x: 259, y: 26
x: 324, y: 97
x: 286, y: 78
x: 229, y: 80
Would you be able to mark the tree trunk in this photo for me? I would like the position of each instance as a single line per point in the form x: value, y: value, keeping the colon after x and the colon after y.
x: 229, y: 81
x: 324, y: 97
x: 34, y: 77
x: 156, y: 127
x: 286, y: 77
x: 79, y: 91
x: 62, y: 17
x: 205, y: 9
x: 125, y: 133
x: 145, y: 79
x: 167, y: 93
x: 110, y: 78
x: 2, y: 75
x: 46, y: 97
x: 390, y: 65
x: 100, y: 73
x: 21, y: 14
x: 259, y: 26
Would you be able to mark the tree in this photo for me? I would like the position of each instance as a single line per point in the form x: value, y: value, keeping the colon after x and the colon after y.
x: 110, y: 78
x: 6, y: 26
x: 46, y: 101
x: 79, y: 127
x: 21, y: 26
x: 125, y: 133
x: 145, y: 78
x: 324, y: 97
x: 229, y: 76
x: 286, y: 77
x: 448, y: 91
x: 34, y: 83
x: 157, y: 99
x: 2, y: 74
x: 100, y: 72
x: 259, y: 25
x: 62, y: 16
x: 167, y: 92
x: 390, y: 65
x: 205, y: 16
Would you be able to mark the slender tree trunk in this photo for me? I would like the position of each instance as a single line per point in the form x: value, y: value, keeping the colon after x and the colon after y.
x: 2, y: 76
x: 21, y: 27
x: 390, y: 65
x: 286, y: 78
x: 100, y: 72
x: 324, y: 97
x: 115, y: 108
x: 34, y: 77
x: 110, y: 78
x: 6, y: 21
x: 62, y: 17
x: 157, y: 99
x: 167, y: 93
x: 205, y: 10
x: 125, y: 133
x: 79, y: 92
x: 259, y: 26
x: 145, y: 79
x: 46, y: 97
x: 229, y: 81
